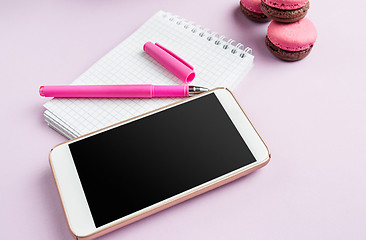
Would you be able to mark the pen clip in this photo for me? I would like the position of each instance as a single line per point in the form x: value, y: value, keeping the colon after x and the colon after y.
x: 175, y: 56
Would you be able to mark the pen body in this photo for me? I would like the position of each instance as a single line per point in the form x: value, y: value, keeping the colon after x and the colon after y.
x: 114, y: 91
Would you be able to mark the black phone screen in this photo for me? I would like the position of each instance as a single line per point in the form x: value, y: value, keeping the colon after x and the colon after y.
x: 136, y: 165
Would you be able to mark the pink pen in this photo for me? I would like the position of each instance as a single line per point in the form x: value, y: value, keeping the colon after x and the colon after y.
x: 120, y: 91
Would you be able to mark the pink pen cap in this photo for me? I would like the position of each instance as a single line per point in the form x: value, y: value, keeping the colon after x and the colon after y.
x: 170, y: 61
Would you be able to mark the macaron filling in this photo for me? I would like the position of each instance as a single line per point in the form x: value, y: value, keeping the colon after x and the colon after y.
x: 296, y: 36
x: 286, y: 4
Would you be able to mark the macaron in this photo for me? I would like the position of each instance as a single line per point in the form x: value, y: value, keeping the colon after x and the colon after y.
x: 252, y: 9
x: 291, y: 41
x: 287, y: 11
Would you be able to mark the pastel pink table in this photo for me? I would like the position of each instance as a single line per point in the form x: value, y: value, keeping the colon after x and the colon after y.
x: 311, y: 114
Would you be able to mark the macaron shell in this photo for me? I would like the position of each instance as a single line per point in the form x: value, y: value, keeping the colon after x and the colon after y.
x: 286, y: 4
x: 252, y: 5
x: 296, y: 36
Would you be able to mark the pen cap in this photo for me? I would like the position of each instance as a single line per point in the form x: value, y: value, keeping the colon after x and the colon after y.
x: 170, y: 61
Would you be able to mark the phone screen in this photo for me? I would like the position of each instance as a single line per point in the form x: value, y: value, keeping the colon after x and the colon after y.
x: 136, y: 165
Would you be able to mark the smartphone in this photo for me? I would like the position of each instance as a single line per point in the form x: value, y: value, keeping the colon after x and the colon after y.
x: 120, y: 174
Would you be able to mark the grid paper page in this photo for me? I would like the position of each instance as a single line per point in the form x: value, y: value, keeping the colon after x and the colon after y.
x: 127, y: 63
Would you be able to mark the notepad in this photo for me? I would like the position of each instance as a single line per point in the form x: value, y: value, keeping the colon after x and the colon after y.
x: 217, y: 61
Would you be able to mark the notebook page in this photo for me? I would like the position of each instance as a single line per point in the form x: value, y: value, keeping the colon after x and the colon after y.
x: 129, y: 64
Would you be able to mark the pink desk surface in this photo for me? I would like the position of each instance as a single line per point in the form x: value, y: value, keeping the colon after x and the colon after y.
x: 311, y: 114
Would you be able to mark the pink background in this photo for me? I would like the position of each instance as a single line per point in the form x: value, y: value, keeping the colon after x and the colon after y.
x: 311, y: 113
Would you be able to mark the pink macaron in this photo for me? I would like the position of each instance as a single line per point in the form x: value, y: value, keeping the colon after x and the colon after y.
x: 285, y: 10
x: 252, y: 9
x: 293, y: 41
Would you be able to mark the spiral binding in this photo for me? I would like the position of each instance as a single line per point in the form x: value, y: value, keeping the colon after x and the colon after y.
x: 219, y: 40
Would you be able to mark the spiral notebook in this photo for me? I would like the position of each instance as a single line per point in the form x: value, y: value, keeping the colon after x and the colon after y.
x: 217, y: 61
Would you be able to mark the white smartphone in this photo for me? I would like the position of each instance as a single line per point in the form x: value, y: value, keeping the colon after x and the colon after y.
x: 125, y: 172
